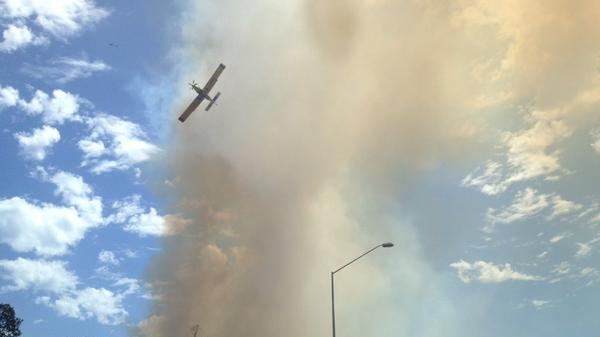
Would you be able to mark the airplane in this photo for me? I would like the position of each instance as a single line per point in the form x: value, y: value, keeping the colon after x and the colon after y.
x: 203, y: 94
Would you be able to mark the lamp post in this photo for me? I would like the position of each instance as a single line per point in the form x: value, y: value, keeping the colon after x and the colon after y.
x: 384, y: 245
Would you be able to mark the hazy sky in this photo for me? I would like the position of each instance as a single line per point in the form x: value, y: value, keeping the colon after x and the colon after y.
x: 466, y: 132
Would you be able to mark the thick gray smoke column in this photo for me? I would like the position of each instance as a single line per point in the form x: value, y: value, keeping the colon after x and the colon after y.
x: 321, y: 101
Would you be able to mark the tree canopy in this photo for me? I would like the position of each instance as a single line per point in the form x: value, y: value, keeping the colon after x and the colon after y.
x: 9, y: 322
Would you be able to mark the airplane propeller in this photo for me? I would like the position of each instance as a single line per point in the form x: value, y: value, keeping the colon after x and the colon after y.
x: 192, y: 84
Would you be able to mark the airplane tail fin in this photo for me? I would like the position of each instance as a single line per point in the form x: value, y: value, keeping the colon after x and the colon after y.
x: 213, y: 101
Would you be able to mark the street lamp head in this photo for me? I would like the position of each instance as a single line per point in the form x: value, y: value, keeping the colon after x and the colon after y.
x: 387, y: 245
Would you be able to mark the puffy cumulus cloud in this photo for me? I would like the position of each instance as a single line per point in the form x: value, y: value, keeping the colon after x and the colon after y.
x: 138, y: 220
x: 528, y: 203
x: 92, y: 149
x: 45, y: 229
x: 108, y: 257
x: 56, y: 109
x: 49, y: 229
x: 149, y: 223
x: 18, y: 36
x: 35, y: 145
x: 59, y: 289
x: 38, y: 275
x: 9, y: 97
x: 75, y: 192
x: 114, y: 144
x: 487, y: 272
x: 66, y: 69
x: 36, y: 21
x: 99, y: 303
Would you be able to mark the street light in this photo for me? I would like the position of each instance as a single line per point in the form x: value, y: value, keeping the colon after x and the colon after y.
x: 384, y: 245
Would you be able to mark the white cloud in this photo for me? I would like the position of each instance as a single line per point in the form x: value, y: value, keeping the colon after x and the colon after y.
x: 136, y: 219
x: 559, y: 237
x: 490, y: 181
x: 103, y: 304
x: 35, y: 145
x: 567, y: 271
x: 37, y: 275
x: 108, y: 257
x: 562, y: 268
x: 49, y: 229
x: 45, y: 229
x: 91, y: 149
x: 542, y: 254
x: 526, y: 203
x: 18, y: 36
x: 527, y: 155
x: 9, y: 97
x: 60, y: 107
x: 147, y: 224
x: 66, y: 69
x: 585, y: 248
x: 486, y: 272
x: 104, y: 272
x: 540, y: 304
x: 59, y: 291
x: 59, y: 19
x: 75, y: 192
x: 561, y: 206
x: 593, y: 208
x: 114, y: 144
x: 131, y: 285
x: 130, y: 253
x: 125, y: 209
x: 528, y: 150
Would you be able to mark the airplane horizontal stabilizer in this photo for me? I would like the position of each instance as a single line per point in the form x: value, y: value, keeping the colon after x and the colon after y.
x: 213, y: 101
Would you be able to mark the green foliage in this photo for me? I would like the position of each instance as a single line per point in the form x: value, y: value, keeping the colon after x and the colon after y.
x: 9, y: 322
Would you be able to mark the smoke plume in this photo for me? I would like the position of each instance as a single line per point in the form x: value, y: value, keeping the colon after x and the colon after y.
x: 324, y: 106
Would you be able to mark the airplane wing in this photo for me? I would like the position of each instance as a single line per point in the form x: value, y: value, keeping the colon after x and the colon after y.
x: 211, y: 83
x: 213, y: 79
x: 191, y: 108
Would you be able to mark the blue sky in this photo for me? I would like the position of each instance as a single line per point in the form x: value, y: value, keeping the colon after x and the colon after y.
x: 466, y: 132
x: 79, y: 223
